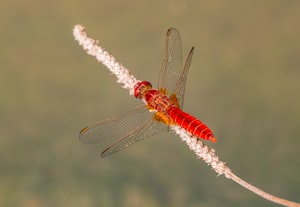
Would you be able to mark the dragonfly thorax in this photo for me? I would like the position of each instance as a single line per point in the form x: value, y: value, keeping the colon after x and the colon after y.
x: 158, y: 101
x: 140, y: 89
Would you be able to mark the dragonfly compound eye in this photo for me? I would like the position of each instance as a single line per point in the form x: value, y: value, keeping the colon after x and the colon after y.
x: 140, y: 88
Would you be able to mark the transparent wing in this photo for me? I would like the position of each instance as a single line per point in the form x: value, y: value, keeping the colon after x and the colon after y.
x: 181, y: 83
x: 146, y: 129
x: 173, y: 75
x: 172, y: 62
x: 135, y: 125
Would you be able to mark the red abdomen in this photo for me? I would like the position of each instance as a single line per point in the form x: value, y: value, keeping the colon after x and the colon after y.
x: 191, y: 124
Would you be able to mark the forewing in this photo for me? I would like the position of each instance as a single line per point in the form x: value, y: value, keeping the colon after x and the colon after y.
x: 172, y: 62
x: 135, y: 125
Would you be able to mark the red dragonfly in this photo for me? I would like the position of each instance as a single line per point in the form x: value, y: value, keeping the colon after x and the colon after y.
x: 165, y: 103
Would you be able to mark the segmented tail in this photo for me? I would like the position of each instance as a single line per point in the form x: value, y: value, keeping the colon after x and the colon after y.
x: 191, y: 124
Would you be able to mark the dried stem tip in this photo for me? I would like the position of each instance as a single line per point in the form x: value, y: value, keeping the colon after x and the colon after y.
x: 91, y: 46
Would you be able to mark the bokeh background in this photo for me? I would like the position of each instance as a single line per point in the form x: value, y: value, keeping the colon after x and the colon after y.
x: 244, y: 83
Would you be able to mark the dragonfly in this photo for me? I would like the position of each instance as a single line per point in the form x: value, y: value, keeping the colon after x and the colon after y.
x: 165, y: 103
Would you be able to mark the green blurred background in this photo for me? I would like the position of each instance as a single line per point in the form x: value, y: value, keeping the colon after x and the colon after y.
x: 244, y: 83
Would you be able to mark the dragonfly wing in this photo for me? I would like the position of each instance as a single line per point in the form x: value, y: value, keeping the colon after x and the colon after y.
x: 147, y: 129
x: 173, y: 75
x: 135, y: 125
x: 181, y: 83
x: 172, y: 62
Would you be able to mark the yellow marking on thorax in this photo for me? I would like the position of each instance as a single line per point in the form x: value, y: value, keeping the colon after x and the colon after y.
x: 174, y: 99
x: 160, y: 117
x: 163, y: 118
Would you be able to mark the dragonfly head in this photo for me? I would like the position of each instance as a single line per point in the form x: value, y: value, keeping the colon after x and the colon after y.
x: 140, y: 88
